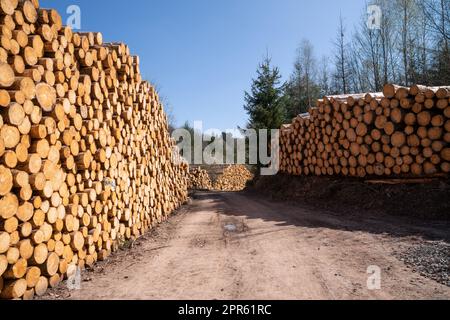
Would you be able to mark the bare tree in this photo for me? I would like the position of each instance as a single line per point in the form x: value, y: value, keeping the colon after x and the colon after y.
x: 171, y: 120
x: 302, y: 88
x: 168, y: 108
x: 359, y: 68
x: 422, y: 74
x: 306, y: 62
x: 437, y: 19
x: 341, y: 59
x: 437, y: 13
x: 324, y: 78
x: 411, y: 45
x: 388, y: 38
x: 368, y: 44
x: 410, y: 13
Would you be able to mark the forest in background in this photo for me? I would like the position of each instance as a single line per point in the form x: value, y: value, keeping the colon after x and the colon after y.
x: 411, y: 46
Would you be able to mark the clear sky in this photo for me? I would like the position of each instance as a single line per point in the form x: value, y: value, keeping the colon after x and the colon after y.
x: 204, y: 53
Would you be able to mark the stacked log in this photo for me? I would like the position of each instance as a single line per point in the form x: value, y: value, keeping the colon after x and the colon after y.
x: 234, y: 178
x: 400, y: 132
x: 86, y: 160
x: 199, y: 179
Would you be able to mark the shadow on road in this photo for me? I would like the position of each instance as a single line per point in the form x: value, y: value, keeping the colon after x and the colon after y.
x: 252, y: 206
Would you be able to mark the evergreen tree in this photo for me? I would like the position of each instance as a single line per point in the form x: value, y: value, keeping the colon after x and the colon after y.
x: 441, y: 66
x: 265, y: 104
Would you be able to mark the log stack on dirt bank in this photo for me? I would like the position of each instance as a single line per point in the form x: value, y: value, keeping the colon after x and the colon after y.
x: 233, y: 178
x: 227, y: 178
x: 199, y: 179
x: 86, y: 160
x: 402, y: 132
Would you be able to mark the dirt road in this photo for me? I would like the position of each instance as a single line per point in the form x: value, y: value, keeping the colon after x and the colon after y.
x: 239, y: 246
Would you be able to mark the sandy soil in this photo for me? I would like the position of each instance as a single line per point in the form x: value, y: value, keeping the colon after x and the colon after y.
x: 241, y: 246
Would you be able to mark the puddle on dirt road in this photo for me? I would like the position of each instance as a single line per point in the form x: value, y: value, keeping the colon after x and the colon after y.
x: 230, y: 228
x: 235, y: 227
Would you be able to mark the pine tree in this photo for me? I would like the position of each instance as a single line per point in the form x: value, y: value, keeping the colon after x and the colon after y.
x: 265, y: 103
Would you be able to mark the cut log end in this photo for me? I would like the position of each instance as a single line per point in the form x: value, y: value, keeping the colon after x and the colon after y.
x: 6, y: 180
x: 46, y: 96
x: 6, y: 75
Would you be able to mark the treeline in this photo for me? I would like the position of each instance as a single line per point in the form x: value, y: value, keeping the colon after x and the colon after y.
x: 409, y: 46
x: 226, y: 143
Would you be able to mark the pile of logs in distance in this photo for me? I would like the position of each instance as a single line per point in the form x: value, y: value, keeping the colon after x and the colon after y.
x: 86, y: 160
x: 233, y: 178
x: 199, y: 179
x: 220, y: 178
x: 400, y: 132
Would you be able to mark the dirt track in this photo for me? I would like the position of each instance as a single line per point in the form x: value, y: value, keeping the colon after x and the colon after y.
x: 277, y: 251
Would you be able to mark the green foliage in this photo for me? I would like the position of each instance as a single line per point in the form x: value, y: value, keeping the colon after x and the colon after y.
x: 440, y: 68
x: 266, y: 102
x: 299, y: 96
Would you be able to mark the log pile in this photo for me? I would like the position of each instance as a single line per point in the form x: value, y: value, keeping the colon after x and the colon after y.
x: 233, y: 178
x: 199, y: 179
x: 400, y: 132
x: 86, y: 160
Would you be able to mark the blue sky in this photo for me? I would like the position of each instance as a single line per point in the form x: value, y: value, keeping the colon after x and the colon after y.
x: 204, y: 53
